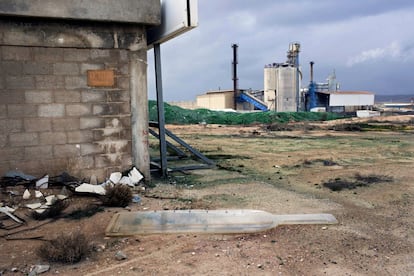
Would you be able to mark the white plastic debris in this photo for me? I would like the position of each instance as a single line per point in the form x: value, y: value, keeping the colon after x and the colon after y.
x: 50, y: 200
x: 135, y: 176
x: 89, y: 188
x: 34, y: 205
x: 26, y: 194
x: 43, y: 183
x: 7, y: 211
x: 38, y: 269
x: 126, y: 180
x: 115, y: 177
x: 62, y: 197
x: 20, y: 174
x: 40, y: 211
x: 38, y: 194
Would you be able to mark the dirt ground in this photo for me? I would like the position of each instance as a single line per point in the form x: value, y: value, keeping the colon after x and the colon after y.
x: 282, y: 172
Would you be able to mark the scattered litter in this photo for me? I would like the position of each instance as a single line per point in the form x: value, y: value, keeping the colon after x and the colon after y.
x: 135, y: 176
x: 136, y: 198
x: 38, y: 194
x: 62, y: 197
x: 50, y: 200
x: 34, y: 205
x: 43, y: 183
x: 115, y: 177
x: 40, y: 211
x: 120, y: 256
x: 26, y: 194
x: 17, y: 174
x: 38, y: 269
x: 126, y: 180
x: 92, y: 189
x: 6, y: 210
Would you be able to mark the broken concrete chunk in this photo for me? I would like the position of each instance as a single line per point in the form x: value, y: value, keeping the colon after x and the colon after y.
x: 115, y: 177
x: 26, y: 194
x: 62, y: 197
x: 135, y: 176
x: 43, y: 183
x: 38, y: 194
x: 40, y: 211
x: 126, y: 180
x: 34, y: 205
x: 5, y: 210
x: 120, y: 256
x: 50, y: 200
x: 38, y: 269
x: 92, y: 189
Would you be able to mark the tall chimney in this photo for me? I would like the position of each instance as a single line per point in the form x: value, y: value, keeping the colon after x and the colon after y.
x: 311, y: 71
x: 235, y: 78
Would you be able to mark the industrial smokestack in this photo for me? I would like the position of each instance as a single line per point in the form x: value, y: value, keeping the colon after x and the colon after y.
x: 235, y: 78
x: 311, y: 71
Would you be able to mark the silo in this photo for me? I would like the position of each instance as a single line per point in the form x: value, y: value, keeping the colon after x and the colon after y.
x: 286, y: 89
x: 270, y: 83
x: 282, y: 82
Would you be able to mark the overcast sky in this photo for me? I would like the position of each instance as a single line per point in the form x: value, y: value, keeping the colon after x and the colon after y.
x: 369, y: 44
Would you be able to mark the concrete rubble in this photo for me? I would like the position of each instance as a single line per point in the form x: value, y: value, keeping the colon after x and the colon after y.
x: 38, y: 196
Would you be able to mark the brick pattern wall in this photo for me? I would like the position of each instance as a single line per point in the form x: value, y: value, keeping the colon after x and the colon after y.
x: 51, y: 121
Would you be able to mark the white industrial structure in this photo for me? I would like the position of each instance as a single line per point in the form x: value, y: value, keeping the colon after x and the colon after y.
x: 282, y: 83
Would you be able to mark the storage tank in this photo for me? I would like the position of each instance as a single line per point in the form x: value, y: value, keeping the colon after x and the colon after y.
x: 282, y: 82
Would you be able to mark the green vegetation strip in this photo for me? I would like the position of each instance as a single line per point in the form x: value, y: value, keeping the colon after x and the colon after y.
x: 178, y: 115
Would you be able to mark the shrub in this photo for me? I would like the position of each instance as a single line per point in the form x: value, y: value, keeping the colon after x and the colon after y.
x: 69, y: 248
x: 117, y: 196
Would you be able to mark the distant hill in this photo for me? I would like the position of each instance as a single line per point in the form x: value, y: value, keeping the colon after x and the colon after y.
x: 405, y: 98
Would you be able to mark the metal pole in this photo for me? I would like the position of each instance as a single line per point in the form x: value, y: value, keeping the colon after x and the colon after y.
x: 160, y: 110
x: 235, y: 78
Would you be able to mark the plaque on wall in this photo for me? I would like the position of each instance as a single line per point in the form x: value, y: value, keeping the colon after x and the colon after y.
x: 101, y: 78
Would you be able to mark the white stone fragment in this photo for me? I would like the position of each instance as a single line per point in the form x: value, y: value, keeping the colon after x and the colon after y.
x: 62, y: 197
x: 40, y: 211
x: 126, y: 180
x: 34, y: 205
x: 89, y: 188
x: 50, y: 200
x: 115, y: 177
x: 43, y: 183
x: 26, y: 194
x: 135, y: 176
x: 38, y: 194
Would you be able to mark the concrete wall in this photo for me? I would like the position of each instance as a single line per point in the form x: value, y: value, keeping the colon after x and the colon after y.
x: 343, y: 99
x: 51, y: 121
x: 216, y: 101
x: 53, y: 118
x: 131, y: 11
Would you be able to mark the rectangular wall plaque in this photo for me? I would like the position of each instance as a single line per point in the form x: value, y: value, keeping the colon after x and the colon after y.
x: 101, y: 78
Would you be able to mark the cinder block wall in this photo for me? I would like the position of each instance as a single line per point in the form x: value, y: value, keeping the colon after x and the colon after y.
x: 51, y: 121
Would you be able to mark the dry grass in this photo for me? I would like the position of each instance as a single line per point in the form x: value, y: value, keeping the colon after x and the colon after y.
x: 69, y: 248
x: 53, y: 211
x: 117, y: 196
